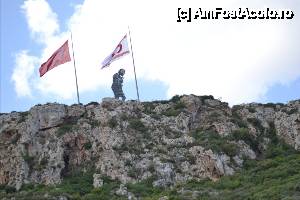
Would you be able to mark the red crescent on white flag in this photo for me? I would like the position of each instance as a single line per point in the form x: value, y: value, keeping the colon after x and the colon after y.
x: 117, y: 50
x: 120, y: 48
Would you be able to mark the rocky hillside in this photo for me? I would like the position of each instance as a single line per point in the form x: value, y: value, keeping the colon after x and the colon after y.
x: 161, y: 143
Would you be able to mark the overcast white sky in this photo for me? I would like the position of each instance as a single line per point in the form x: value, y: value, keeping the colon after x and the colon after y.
x: 237, y: 60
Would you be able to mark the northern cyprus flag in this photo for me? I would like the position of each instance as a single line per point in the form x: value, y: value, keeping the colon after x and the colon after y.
x: 121, y: 50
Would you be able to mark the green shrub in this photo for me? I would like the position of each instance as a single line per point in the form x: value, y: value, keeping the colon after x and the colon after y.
x: 175, y: 98
x: 170, y: 133
x: 44, y: 161
x: 270, y: 105
x: 228, y: 183
x: 149, y: 107
x: 276, y: 146
x: 176, y: 109
x: 212, y: 140
x: 171, y: 112
x: 252, y: 110
x: 271, y: 133
x: 243, y: 134
x: 204, y: 97
x: 124, y: 117
x: 257, y: 124
x: 235, y: 108
x: 88, y: 146
x: 63, y: 129
x: 236, y: 119
x: 297, y: 187
x: 249, y: 163
x: 138, y: 125
x: 230, y: 149
x: 42, y: 164
x: 7, y: 189
x: 67, y: 126
x: 161, y: 102
x: 124, y: 147
x: 15, y: 138
x: 156, y: 116
x: 2, y: 187
x: 144, y: 188
x: 292, y: 111
x: 106, y: 191
x: 214, y: 116
x: 191, y: 159
x: 239, y: 122
x: 179, y: 105
x: 279, y: 149
x: 132, y: 172
x: 23, y: 116
x: 78, y: 182
x: 29, y: 159
x: 93, y: 103
x: 112, y: 123
x: 151, y: 168
x: 94, y: 123
x: 27, y: 187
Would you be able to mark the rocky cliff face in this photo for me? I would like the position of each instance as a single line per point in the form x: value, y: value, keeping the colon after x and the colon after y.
x: 188, y: 137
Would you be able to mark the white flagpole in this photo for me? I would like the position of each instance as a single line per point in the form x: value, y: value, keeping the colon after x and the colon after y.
x: 136, y: 85
x: 75, y: 69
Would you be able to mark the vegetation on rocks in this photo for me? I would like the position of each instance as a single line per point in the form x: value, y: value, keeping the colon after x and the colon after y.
x: 272, y: 178
x: 68, y: 125
x: 212, y: 140
x: 275, y: 178
x: 112, y: 123
x: 64, y: 129
x: 136, y: 124
x: 23, y: 116
x: 186, y: 148
x: 88, y: 145
x: 174, y: 110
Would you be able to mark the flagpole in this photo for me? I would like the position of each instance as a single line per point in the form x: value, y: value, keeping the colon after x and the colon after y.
x: 75, y: 69
x: 136, y: 85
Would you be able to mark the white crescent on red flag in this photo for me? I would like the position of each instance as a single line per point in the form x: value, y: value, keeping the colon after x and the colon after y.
x: 121, y: 50
x: 60, y: 56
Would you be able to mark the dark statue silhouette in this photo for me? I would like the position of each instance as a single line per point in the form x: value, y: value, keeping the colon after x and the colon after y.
x: 117, y: 84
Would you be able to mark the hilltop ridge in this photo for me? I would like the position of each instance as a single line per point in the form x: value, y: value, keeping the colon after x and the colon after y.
x: 166, y: 143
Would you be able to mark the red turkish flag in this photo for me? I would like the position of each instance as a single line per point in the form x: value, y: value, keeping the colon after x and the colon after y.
x: 60, y: 56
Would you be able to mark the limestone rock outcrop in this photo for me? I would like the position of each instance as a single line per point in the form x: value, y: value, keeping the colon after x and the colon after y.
x: 169, y: 141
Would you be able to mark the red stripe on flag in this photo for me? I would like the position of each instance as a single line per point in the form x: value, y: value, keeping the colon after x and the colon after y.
x: 119, y: 55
